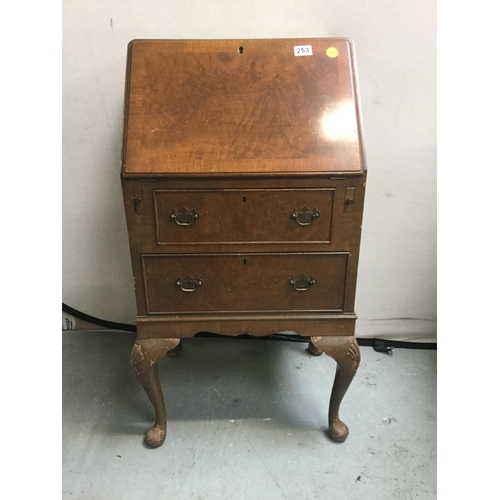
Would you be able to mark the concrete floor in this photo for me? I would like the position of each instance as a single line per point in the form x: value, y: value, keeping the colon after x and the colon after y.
x: 247, y: 420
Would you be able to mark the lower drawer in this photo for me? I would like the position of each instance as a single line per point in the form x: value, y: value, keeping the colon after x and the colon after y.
x: 245, y: 282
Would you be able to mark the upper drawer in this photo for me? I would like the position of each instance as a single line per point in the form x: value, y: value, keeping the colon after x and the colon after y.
x: 244, y: 216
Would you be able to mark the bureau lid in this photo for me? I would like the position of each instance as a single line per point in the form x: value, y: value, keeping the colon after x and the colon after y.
x: 282, y: 106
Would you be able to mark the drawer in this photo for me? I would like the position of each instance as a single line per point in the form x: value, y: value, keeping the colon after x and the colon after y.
x: 179, y: 283
x: 244, y: 216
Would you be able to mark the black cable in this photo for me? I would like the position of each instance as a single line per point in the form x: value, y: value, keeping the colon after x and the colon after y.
x: 377, y: 344
x: 96, y: 321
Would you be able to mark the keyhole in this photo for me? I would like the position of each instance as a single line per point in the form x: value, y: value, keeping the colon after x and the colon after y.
x: 244, y: 262
x: 244, y: 199
x: 240, y: 50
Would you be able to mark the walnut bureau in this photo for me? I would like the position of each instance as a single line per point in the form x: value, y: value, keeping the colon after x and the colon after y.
x: 243, y: 179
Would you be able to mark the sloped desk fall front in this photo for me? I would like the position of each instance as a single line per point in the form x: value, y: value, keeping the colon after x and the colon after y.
x: 243, y: 179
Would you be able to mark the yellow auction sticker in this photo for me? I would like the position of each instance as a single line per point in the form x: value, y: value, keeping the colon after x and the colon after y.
x: 332, y: 52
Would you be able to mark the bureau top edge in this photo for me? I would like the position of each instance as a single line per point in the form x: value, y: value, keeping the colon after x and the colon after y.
x: 228, y: 40
x: 251, y: 106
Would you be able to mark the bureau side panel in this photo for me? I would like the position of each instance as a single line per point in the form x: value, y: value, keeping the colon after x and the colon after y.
x: 353, y: 235
x: 136, y: 214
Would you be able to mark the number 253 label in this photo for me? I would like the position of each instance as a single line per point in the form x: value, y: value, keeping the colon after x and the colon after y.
x: 303, y: 50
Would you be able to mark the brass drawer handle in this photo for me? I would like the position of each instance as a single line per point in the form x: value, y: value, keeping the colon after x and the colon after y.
x: 184, y: 217
x: 304, y: 217
x: 302, y: 283
x: 188, y: 284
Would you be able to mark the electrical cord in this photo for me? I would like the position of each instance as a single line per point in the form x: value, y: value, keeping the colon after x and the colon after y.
x: 97, y: 321
x: 382, y: 346
x: 132, y: 328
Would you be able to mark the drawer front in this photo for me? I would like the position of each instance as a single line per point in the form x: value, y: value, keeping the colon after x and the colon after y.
x: 179, y: 283
x: 244, y: 216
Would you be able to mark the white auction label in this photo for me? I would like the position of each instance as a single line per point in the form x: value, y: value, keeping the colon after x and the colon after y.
x: 303, y: 50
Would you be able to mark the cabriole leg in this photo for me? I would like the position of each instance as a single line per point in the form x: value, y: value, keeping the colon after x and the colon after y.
x: 174, y: 352
x: 312, y: 349
x: 144, y: 358
x: 345, y: 351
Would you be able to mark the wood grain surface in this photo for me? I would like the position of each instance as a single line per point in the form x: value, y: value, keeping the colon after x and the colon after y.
x: 245, y: 282
x: 244, y: 215
x: 198, y: 107
x: 243, y: 180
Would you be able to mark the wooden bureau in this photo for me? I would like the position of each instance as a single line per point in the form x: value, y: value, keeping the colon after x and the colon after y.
x: 243, y: 179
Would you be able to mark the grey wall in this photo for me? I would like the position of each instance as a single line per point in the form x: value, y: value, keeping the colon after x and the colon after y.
x: 396, y: 54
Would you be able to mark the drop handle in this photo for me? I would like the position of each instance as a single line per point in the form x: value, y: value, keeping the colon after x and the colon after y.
x: 302, y: 283
x: 304, y: 216
x: 184, y: 217
x: 188, y: 284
